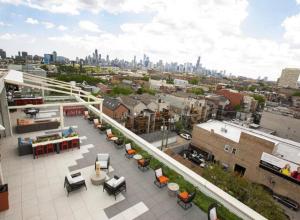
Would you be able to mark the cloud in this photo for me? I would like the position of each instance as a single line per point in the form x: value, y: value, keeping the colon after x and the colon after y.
x: 32, y: 21
x: 11, y: 36
x: 292, y: 29
x: 48, y: 25
x: 3, y: 24
x: 178, y: 31
x: 89, y: 26
x: 62, y: 28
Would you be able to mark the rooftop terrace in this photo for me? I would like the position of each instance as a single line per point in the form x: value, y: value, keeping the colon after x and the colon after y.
x: 37, y: 192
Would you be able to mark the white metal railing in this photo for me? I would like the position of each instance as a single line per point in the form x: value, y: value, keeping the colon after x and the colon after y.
x: 204, y: 186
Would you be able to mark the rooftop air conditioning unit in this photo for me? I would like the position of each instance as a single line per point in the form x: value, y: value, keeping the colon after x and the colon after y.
x: 224, y: 130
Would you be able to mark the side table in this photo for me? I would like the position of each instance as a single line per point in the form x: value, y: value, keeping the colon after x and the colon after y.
x: 173, y: 188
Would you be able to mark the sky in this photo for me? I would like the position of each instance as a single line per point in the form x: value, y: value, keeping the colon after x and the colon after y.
x: 244, y: 37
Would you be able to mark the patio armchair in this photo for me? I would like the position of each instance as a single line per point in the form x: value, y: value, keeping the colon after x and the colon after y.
x: 86, y: 115
x: 144, y: 164
x: 97, y: 123
x: 212, y: 212
x: 109, y: 134
x: 161, y: 179
x: 129, y: 152
x: 115, y: 185
x: 103, y: 160
x: 73, y: 182
x: 185, y: 199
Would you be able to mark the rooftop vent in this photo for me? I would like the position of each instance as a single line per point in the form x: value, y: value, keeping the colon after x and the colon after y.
x: 224, y: 129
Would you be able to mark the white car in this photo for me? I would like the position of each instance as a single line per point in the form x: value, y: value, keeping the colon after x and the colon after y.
x: 186, y: 136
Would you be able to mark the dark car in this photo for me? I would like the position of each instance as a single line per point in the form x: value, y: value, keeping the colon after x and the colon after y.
x: 292, y: 204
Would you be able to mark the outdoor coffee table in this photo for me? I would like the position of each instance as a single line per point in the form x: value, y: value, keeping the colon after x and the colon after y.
x: 173, y: 188
x: 98, y: 180
x: 138, y: 157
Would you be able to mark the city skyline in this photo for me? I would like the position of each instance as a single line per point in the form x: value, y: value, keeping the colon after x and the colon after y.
x: 242, y: 37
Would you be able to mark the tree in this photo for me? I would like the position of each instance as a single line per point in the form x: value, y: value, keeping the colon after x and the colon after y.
x: 260, y: 99
x: 296, y: 93
x: 198, y: 91
x: 194, y: 81
x: 248, y: 193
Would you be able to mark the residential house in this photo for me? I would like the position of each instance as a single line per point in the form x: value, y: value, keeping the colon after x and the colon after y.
x: 115, y: 109
x: 235, y: 98
x: 104, y: 88
x: 134, y: 105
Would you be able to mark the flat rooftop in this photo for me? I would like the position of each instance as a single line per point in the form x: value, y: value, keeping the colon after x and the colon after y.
x: 284, y: 148
x: 36, y: 186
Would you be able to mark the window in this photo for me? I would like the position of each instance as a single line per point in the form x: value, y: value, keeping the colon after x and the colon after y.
x: 227, y: 148
x: 239, y: 170
x: 234, y: 151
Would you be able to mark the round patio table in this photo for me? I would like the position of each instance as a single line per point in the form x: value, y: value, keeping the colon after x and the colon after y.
x: 98, y: 180
x: 138, y: 157
x: 173, y: 188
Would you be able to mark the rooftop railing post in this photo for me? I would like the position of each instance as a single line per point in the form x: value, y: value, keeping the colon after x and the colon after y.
x: 61, y: 117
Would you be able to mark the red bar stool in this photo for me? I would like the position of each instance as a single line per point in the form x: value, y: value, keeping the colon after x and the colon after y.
x: 75, y: 143
x: 64, y: 145
x: 50, y: 148
x: 39, y: 150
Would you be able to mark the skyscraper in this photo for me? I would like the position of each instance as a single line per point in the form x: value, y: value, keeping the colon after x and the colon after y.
x: 54, y: 56
x: 2, y: 54
x: 96, y: 57
x: 198, y: 64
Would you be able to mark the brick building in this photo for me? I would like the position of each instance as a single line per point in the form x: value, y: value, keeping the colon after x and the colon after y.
x: 235, y: 98
x: 115, y: 109
x: 253, y: 154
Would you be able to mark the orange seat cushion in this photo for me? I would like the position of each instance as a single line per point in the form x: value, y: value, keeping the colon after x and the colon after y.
x: 184, y: 195
x: 110, y: 135
x: 142, y: 161
x: 131, y: 151
x: 163, y: 179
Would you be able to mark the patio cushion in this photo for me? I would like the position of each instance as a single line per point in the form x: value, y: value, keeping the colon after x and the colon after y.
x: 128, y: 146
x: 163, y: 179
x: 103, y: 164
x: 119, y: 181
x: 96, y: 121
x: 131, y: 151
x: 111, y: 182
x: 184, y: 195
x: 77, y: 179
x: 70, y: 179
x: 158, y: 172
x: 103, y: 157
x: 141, y: 162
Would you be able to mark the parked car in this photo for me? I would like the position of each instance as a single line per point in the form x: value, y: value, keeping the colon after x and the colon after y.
x: 186, y: 136
x: 286, y: 201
